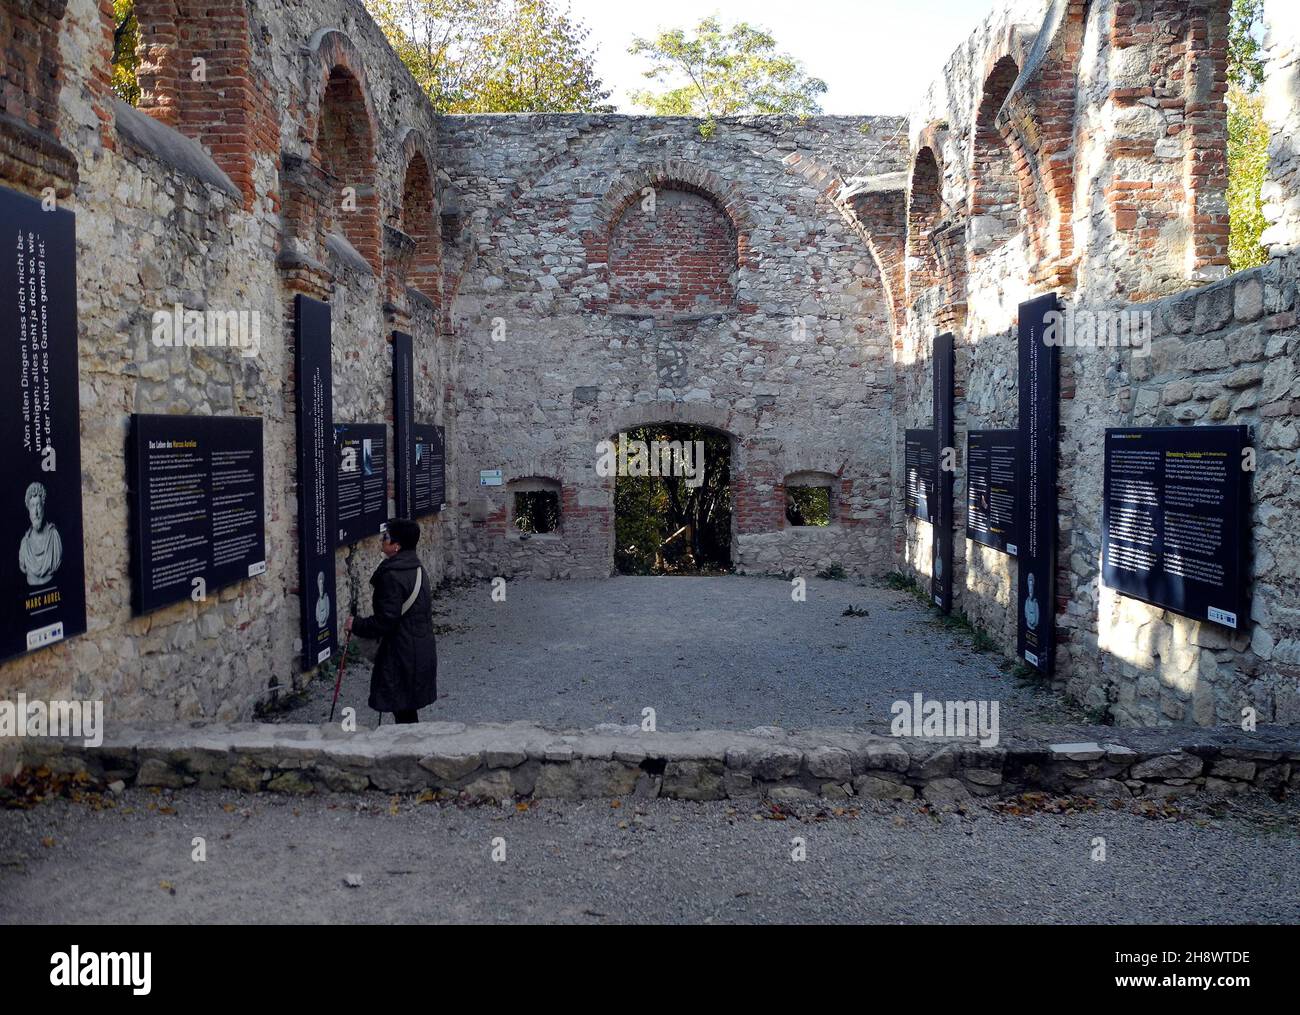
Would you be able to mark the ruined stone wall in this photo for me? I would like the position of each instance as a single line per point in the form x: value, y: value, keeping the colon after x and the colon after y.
x: 1134, y: 220
x: 173, y: 207
x: 747, y: 299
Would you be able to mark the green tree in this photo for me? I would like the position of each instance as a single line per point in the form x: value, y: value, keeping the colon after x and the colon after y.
x: 494, y: 56
x: 1248, y: 136
x: 711, y: 72
x: 126, y: 51
x: 666, y: 525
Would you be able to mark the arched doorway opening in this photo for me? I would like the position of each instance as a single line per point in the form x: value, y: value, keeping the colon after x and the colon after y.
x: 672, y: 499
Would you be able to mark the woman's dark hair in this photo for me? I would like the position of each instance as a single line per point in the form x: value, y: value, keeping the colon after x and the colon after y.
x: 404, y: 532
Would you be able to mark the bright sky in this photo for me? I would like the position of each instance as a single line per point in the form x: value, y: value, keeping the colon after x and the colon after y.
x: 877, y: 56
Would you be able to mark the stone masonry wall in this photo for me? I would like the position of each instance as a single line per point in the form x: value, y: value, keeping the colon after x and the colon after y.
x: 744, y: 298
x: 170, y: 209
x: 1145, y: 219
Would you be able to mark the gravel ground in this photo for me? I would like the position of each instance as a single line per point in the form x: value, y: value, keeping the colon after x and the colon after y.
x: 279, y: 859
x: 729, y: 652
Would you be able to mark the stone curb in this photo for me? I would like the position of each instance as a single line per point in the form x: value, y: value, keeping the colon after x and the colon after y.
x: 508, y: 760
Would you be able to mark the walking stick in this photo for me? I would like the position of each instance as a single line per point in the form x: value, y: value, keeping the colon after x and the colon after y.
x: 343, y: 662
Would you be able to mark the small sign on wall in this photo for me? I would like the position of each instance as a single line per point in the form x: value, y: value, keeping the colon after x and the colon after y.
x: 489, y: 477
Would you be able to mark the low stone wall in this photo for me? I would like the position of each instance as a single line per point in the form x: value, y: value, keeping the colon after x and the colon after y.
x: 505, y: 761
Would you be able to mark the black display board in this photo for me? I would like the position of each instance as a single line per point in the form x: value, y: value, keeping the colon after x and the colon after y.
x: 945, y: 438
x: 403, y: 422
x: 42, y: 562
x: 197, y: 506
x: 1175, y: 519
x: 921, y: 463
x: 361, y: 451
x: 316, y: 479
x: 1039, y: 417
x: 428, y: 469
x: 993, y: 488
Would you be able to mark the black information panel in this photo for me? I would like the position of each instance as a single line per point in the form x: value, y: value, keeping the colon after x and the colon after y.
x: 1039, y: 415
x: 197, y: 506
x: 945, y: 438
x: 993, y: 488
x: 429, y: 475
x: 361, y: 450
x: 42, y: 563
x: 316, y: 476
x: 921, y: 461
x: 404, y: 422
x: 1175, y: 519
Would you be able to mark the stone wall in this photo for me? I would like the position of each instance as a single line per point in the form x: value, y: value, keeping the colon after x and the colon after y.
x: 616, y: 270
x: 213, y: 194
x: 1134, y: 221
x: 505, y: 761
x: 567, y: 277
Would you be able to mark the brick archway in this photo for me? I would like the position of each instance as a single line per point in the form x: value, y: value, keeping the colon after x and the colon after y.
x: 419, y: 216
x: 343, y: 136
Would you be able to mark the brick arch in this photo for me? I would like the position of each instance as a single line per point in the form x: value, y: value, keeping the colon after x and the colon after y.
x: 1037, y: 122
x: 681, y: 176
x: 670, y: 174
x: 875, y: 214
x: 681, y: 257
x: 32, y: 156
x: 924, y: 213
x: 734, y: 424
x: 418, y: 215
x: 994, y: 183
x: 343, y: 139
x: 936, y: 240
x: 230, y: 109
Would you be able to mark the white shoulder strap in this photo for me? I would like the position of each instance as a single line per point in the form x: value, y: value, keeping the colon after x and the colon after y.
x: 410, y: 600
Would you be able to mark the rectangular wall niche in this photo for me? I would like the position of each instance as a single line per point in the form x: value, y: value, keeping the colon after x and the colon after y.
x: 197, y: 506
x: 1175, y: 519
x: 42, y: 563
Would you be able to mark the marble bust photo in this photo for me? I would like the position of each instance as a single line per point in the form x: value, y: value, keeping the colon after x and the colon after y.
x: 41, y: 551
x: 322, y: 601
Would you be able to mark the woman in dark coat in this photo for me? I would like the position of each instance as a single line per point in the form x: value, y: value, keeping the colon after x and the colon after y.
x: 405, y: 677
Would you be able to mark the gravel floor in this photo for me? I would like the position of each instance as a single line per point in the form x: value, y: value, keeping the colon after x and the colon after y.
x: 706, y: 653
x: 278, y: 859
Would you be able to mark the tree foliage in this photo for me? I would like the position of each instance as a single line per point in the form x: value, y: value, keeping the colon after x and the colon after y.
x: 1248, y: 136
x: 662, y: 524
x: 808, y: 505
x: 495, y: 56
x: 712, y: 72
x: 126, y: 51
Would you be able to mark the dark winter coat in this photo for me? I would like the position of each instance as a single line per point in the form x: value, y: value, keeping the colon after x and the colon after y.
x: 406, y: 665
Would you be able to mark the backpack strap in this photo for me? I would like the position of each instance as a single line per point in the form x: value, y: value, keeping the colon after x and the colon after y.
x: 410, y: 600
